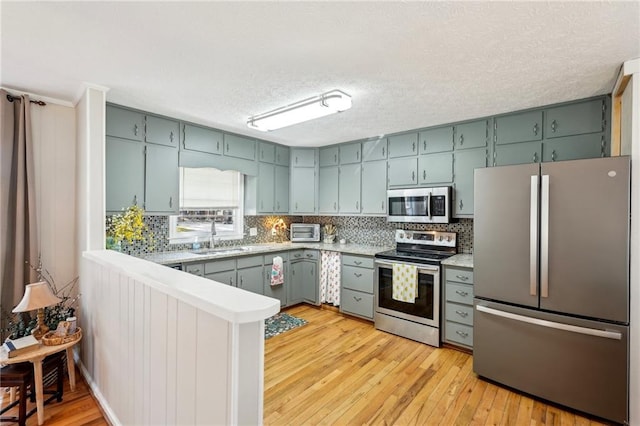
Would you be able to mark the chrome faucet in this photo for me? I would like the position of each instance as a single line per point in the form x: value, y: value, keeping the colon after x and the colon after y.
x: 212, y: 237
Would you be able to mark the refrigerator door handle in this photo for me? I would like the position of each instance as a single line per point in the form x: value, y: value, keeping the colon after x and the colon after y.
x: 551, y: 324
x: 544, y: 237
x: 533, y: 237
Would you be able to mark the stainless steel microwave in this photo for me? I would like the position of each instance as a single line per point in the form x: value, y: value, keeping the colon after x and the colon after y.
x: 419, y: 205
x: 305, y: 232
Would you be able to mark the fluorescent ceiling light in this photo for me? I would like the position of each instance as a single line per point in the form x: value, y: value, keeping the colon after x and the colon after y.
x: 308, y: 109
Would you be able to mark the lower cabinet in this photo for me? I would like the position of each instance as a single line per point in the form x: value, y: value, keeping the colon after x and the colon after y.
x: 276, y: 291
x: 356, y: 286
x: 250, y: 279
x: 458, y: 306
x: 304, y: 282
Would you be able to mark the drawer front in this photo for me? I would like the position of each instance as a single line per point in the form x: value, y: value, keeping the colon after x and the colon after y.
x: 249, y: 261
x: 296, y: 254
x: 459, y: 313
x: 357, y: 303
x: 460, y: 275
x: 357, y: 279
x: 359, y: 261
x: 219, y: 265
x: 195, y: 269
x: 311, y: 254
x: 459, y: 293
x: 268, y: 258
x: 459, y: 333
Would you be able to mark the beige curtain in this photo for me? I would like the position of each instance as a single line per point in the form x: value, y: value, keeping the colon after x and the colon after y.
x: 18, y: 227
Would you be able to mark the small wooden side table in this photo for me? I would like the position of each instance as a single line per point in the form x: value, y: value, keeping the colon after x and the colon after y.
x: 35, y: 357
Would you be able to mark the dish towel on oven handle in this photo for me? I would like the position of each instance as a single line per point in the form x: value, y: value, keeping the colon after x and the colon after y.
x: 277, y: 271
x: 405, y: 283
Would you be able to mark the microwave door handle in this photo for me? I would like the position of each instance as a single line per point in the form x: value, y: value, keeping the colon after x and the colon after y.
x: 429, y: 205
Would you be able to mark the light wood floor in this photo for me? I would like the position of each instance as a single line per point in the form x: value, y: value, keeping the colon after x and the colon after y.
x: 340, y: 370
x: 77, y: 408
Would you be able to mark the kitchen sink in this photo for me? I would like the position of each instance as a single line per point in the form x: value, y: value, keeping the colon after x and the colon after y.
x: 221, y: 250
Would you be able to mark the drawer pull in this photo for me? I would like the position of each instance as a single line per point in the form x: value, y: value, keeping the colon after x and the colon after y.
x: 297, y: 255
x: 309, y: 255
x: 195, y: 271
x: 463, y: 314
x: 462, y: 277
x: 357, y: 274
x: 357, y: 299
x: 462, y: 293
x: 462, y: 334
x: 357, y: 262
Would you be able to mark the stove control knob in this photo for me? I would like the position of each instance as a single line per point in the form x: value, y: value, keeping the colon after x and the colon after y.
x: 440, y: 239
x: 401, y: 234
x: 448, y: 239
x: 409, y: 235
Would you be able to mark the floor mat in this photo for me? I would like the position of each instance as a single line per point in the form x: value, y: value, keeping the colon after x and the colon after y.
x: 281, y: 322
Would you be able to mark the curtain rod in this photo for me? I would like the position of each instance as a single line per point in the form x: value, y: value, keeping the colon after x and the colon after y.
x: 16, y: 98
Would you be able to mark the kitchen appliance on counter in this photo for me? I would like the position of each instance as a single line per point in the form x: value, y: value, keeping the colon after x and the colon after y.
x: 417, y: 319
x: 305, y: 232
x: 419, y: 205
x: 551, y: 270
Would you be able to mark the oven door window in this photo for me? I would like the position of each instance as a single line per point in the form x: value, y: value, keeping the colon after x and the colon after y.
x: 424, y: 304
x: 408, y: 206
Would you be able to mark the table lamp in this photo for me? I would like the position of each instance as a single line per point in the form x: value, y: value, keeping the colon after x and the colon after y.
x: 37, y: 296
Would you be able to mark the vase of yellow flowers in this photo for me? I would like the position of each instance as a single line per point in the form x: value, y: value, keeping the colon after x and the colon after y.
x: 127, y: 226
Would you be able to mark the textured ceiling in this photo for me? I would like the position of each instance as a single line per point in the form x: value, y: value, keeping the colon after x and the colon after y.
x: 406, y: 64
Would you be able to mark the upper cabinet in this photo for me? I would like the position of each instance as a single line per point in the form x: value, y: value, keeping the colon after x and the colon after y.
x: 162, y: 131
x: 124, y: 123
x: 575, y: 119
x: 436, y: 140
x: 303, y: 157
x: 521, y: 127
x: 404, y: 145
x: 266, y: 152
x: 202, y: 139
x: 474, y: 134
x: 282, y: 155
x: 350, y: 153
x: 374, y: 150
x: 329, y: 156
x: 239, y: 147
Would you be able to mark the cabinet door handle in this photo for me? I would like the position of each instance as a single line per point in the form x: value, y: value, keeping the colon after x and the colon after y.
x: 135, y: 200
x: 462, y: 277
x: 382, y: 206
x: 462, y: 314
x: 424, y: 174
x: 461, y: 138
x: 335, y: 158
x: 357, y: 274
x: 335, y: 206
x: 424, y: 145
x: 554, y: 125
x: 535, y: 129
x: 296, y: 159
x: 413, y: 176
x: 135, y: 129
x: 171, y: 202
x: 358, y: 155
x: 460, y: 204
x: 241, y: 281
x: 413, y: 147
x: 383, y: 151
x: 535, y: 157
x: 553, y: 155
x: 218, y: 146
x: 357, y: 299
x: 171, y: 136
x: 227, y: 147
x: 462, y: 293
x: 357, y: 205
x: 462, y: 334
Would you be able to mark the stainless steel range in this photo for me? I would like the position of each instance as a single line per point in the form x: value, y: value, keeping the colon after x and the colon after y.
x: 420, y: 252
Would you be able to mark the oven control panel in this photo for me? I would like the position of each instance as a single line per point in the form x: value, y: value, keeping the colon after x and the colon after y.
x: 432, y: 238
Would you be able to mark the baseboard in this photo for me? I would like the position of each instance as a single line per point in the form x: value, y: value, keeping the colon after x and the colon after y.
x: 102, y: 402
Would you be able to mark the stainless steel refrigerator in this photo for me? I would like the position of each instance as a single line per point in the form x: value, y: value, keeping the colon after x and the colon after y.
x: 551, y: 271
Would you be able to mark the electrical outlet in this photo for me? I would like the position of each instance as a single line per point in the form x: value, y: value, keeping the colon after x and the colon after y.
x: 253, y: 232
x: 273, y: 232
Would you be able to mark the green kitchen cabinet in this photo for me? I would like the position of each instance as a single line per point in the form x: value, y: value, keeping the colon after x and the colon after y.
x: 224, y: 277
x: 124, y: 123
x: 465, y: 162
x: 310, y: 283
x: 329, y: 182
x: 518, y: 153
x: 375, y: 149
x: 251, y: 279
x: 296, y: 274
x: 329, y: 156
x: 575, y: 119
x: 519, y: 127
x: 266, y: 152
x: 304, y: 284
x: 281, y: 201
x: 161, y: 179
x: 435, y: 168
x: 374, y: 188
x: 350, y: 188
x: 356, y: 286
x: 402, y: 172
x: 266, y: 187
x: 201, y: 139
x: 124, y: 174
x: 350, y: 153
x: 276, y: 291
x: 239, y: 147
x: 592, y: 145
x: 436, y: 140
x: 474, y: 134
x: 282, y: 155
x: 162, y: 131
x: 458, y: 306
x: 303, y: 193
x: 303, y: 157
x: 404, y: 145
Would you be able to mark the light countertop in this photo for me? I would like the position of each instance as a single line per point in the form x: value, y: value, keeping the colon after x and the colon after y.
x: 170, y: 257
x: 463, y: 260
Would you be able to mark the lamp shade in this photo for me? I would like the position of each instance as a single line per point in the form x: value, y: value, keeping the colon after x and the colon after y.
x: 36, y: 296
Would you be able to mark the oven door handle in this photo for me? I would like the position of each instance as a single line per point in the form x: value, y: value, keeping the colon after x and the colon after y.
x: 421, y: 268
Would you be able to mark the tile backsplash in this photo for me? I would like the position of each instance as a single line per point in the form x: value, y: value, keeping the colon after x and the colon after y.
x: 355, y: 229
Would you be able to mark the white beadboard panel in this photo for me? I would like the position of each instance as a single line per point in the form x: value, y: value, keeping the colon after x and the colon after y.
x: 172, y: 359
x: 212, y: 361
x: 155, y: 359
x: 187, y: 342
x: 158, y: 357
